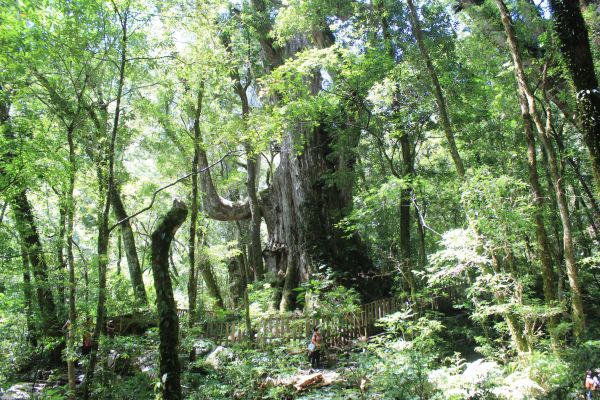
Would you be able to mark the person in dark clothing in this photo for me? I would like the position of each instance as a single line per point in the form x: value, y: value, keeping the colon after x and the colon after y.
x: 316, y: 343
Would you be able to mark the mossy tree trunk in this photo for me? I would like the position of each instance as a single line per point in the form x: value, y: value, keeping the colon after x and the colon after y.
x: 575, y: 47
x: 135, y: 270
x: 168, y: 325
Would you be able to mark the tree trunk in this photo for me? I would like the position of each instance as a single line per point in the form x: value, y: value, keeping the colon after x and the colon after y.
x: 28, y: 296
x: 407, y: 171
x: 234, y: 282
x: 27, y: 229
x: 28, y: 232
x: 135, y: 271
x: 69, y: 225
x: 405, y: 206
x: 255, y: 259
x: 439, y: 94
x: 421, y: 234
x: 168, y: 325
x: 192, y: 286
x: 243, y: 272
x: 302, y: 207
x: 60, y: 259
x: 548, y: 273
x: 102, y: 264
x: 576, y: 301
x: 255, y: 248
x: 106, y: 183
x: 575, y: 47
x: 211, y: 201
x: 211, y: 283
x: 301, y: 211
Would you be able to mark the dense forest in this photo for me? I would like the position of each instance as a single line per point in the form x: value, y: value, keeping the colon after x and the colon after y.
x: 198, y: 195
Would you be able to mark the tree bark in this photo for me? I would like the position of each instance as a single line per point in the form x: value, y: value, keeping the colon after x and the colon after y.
x: 69, y: 227
x: 407, y: 169
x: 576, y: 301
x: 192, y: 286
x: 28, y: 296
x: 575, y: 48
x: 60, y: 259
x: 302, y: 208
x: 253, y: 173
x: 27, y: 229
x: 243, y: 272
x: 135, y: 271
x: 168, y: 326
x: 28, y: 232
x: 548, y: 272
x: 217, y: 205
x: 106, y: 184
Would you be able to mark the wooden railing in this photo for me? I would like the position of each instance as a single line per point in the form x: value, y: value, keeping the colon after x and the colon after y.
x: 336, y: 330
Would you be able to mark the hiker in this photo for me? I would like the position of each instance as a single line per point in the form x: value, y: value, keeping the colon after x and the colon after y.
x: 315, y: 348
x: 110, y: 328
x: 589, y: 384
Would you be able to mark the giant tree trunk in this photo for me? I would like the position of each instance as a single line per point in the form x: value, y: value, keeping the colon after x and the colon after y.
x: 135, y: 271
x: 302, y: 207
x: 575, y: 47
x: 168, y: 325
x: 301, y: 210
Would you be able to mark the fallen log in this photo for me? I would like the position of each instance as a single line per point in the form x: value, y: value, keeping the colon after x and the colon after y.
x: 308, y: 381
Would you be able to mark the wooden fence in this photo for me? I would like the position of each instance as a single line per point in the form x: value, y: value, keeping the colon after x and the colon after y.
x: 336, y: 331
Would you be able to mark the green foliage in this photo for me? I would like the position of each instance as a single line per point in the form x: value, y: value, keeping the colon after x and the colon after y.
x: 471, y: 243
x: 326, y: 299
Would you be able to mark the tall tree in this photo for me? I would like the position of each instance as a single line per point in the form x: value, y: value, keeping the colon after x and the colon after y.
x: 168, y: 325
x: 437, y: 88
x: 575, y: 47
x: 572, y: 273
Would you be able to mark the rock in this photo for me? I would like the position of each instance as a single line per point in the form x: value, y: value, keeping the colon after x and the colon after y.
x: 219, y: 357
x: 147, y: 363
x: 20, y: 391
x: 119, y: 364
x: 203, y: 347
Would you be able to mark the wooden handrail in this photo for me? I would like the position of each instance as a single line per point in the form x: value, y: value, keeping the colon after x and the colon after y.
x: 343, y: 329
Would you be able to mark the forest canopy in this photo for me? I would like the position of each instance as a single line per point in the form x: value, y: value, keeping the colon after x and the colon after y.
x: 417, y: 179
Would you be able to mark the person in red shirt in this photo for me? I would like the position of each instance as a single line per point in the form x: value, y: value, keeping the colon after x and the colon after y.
x: 315, y: 355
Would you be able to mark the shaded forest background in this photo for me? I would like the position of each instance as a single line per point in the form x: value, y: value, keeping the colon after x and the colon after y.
x: 321, y: 154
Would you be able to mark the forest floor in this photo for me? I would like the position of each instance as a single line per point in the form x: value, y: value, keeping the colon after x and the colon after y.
x: 128, y: 369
